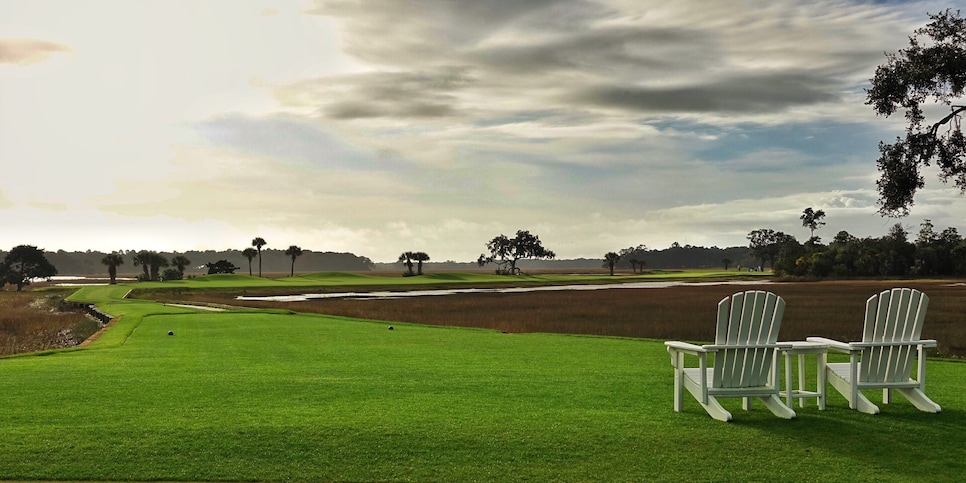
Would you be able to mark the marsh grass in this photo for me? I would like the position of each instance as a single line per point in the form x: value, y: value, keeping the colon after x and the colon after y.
x: 829, y: 309
x: 35, y: 321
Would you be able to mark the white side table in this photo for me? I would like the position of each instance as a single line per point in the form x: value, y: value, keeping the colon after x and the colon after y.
x: 802, y: 349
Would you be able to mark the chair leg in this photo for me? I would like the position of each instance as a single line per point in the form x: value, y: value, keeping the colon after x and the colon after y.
x: 715, y: 410
x: 677, y: 359
x: 678, y: 391
x: 712, y: 407
x: 777, y: 407
x: 919, y: 399
x: 822, y: 363
x: 860, y: 403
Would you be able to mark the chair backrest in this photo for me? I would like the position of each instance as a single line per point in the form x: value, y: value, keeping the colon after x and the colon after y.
x: 892, y: 316
x: 749, y: 320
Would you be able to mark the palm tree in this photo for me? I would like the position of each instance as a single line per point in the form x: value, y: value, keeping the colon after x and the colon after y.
x: 420, y: 258
x: 113, y: 260
x: 610, y: 261
x: 156, y: 260
x: 179, y: 262
x: 294, y: 252
x: 633, y: 263
x: 142, y: 259
x: 407, y: 258
x: 258, y: 243
x: 151, y: 262
x: 249, y: 253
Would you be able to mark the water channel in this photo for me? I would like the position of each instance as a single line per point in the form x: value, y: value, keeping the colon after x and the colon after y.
x: 439, y: 292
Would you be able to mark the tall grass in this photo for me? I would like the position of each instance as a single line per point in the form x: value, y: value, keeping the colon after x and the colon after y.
x: 32, y: 321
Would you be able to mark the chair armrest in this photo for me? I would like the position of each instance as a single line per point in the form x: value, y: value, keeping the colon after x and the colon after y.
x: 924, y: 343
x: 717, y: 347
x: 685, y: 347
x: 832, y: 344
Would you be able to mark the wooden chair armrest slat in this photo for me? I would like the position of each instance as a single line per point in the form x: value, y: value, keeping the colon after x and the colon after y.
x: 832, y: 344
x: 685, y: 347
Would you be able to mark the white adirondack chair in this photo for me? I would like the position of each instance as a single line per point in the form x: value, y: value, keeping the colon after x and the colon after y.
x: 745, y: 357
x: 883, y: 360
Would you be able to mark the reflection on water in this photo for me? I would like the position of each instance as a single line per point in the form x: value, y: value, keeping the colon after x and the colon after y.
x: 454, y: 291
x: 79, y: 281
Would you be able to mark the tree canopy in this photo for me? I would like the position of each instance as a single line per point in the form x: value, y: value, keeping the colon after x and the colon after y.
x: 23, y: 263
x: 150, y: 262
x: 766, y: 244
x: 221, y: 266
x: 179, y: 262
x: 420, y: 257
x: 812, y: 220
x: 505, y: 252
x: 931, y: 71
x: 406, y: 258
x: 610, y: 261
x: 113, y: 260
x: 293, y: 251
x: 249, y: 253
x: 258, y: 242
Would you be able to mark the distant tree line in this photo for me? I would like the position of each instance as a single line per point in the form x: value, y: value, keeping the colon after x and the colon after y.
x: 931, y: 253
x: 675, y: 257
x: 275, y: 261
x: 679, y: 256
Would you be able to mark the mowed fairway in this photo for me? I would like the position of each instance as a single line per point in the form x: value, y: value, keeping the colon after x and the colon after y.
x: 273, y: 396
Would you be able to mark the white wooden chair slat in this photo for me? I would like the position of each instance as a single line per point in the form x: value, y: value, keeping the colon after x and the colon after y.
x: 729, y: 335
x: 724, y: 312
x: 755, y: 358
x: 745, y: 356
x: 744, y: 362
x: 736, y: 361
x: 912, y: 331
x: 884, y: 359
x: 767, y: 332
x: 897, y: 356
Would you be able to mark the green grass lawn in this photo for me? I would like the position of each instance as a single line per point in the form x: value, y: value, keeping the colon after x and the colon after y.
x: 273, y: 396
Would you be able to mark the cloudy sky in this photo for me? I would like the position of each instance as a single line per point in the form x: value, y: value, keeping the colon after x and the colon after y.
x: 381, y: 126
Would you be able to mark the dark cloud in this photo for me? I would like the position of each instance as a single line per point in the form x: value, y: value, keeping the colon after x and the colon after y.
x: 450, y: 21
x: 383, y: 94
x: 361, y: 109
x: 604, y: 51
x: 748, y: 94
x: 28, y: 51
x: 403, y: 33
x: 513, y: 56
